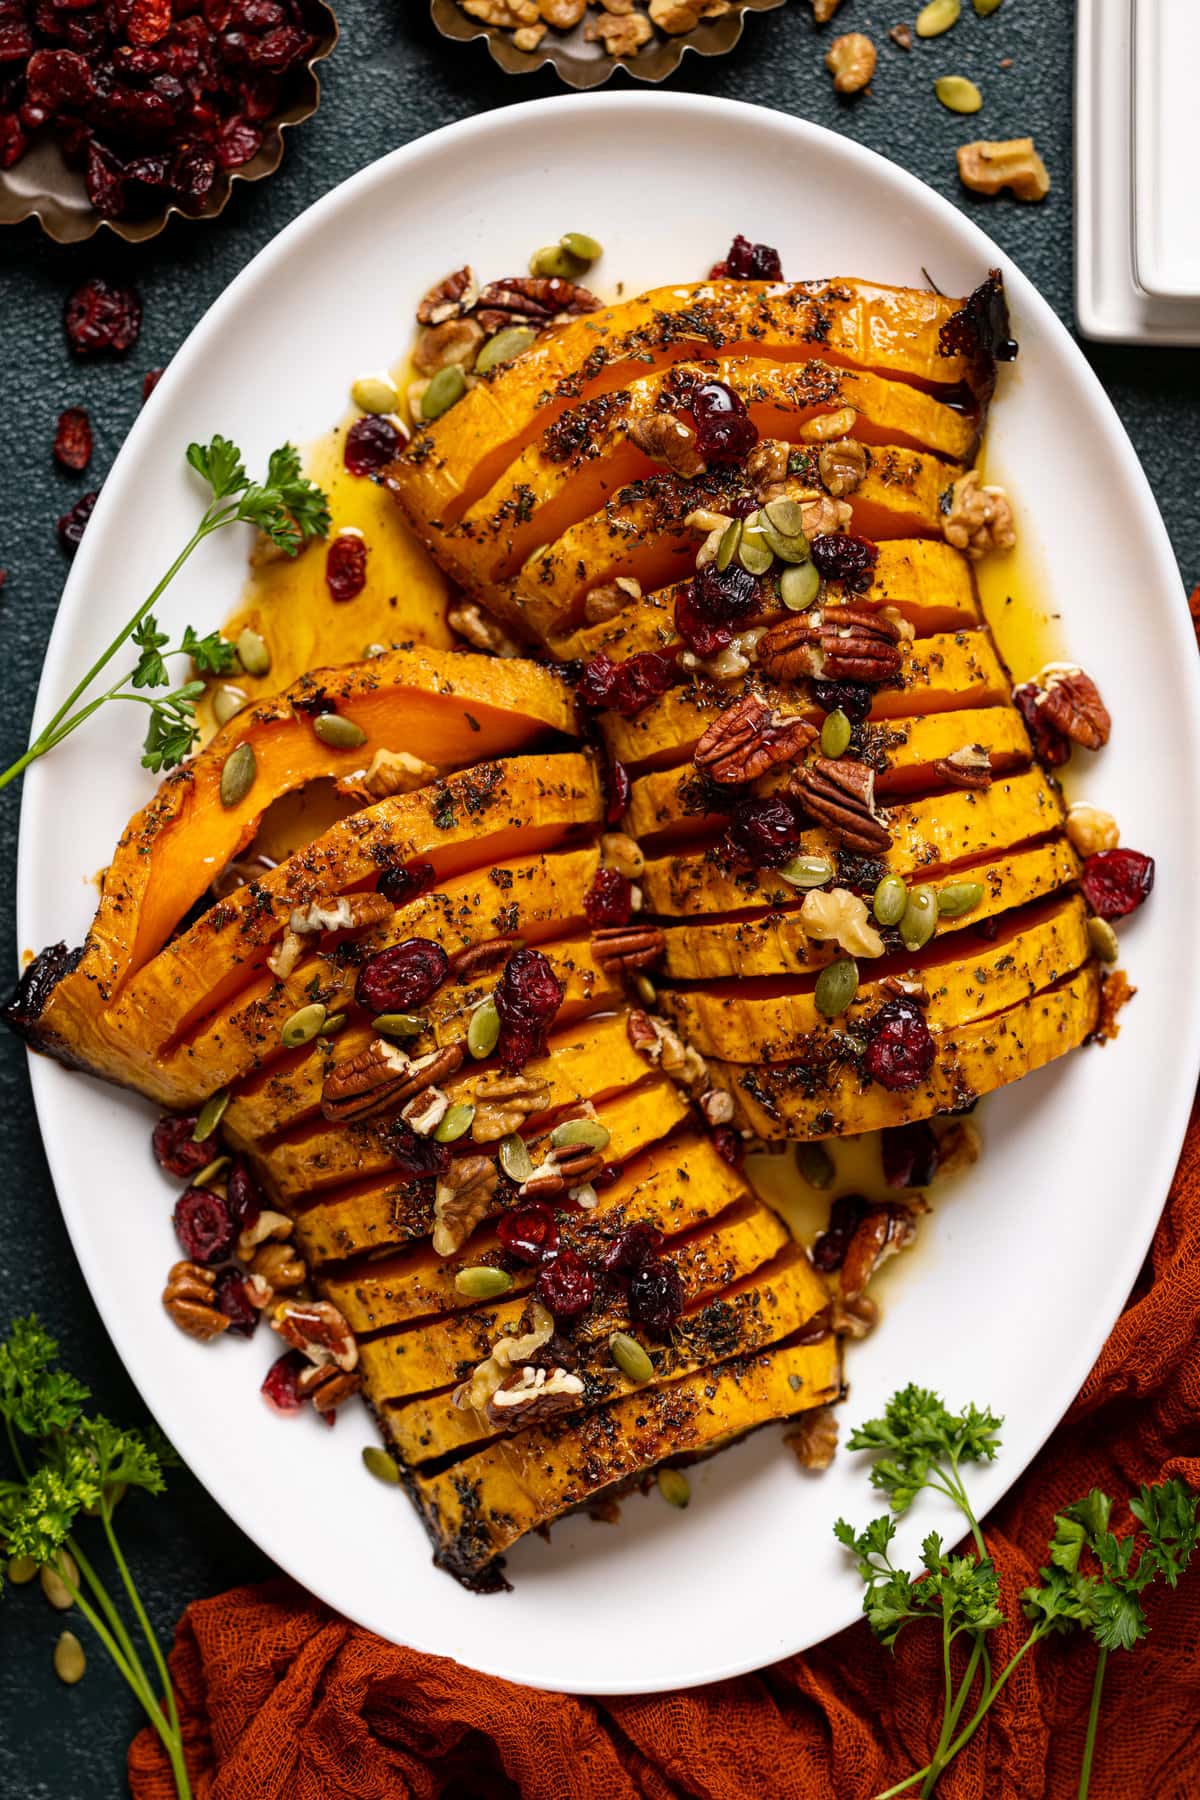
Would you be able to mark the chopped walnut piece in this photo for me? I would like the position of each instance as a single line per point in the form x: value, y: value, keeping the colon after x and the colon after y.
x: 851, y: 62
x: 621, y: 35
x: 455, y: 343
x: 506, y: 13
x: 979, y: 518
x: 286, y: 954
x: 620, y: 852
x: 842, y: 465
x: 388, y: 773
x: 717, y: 1106
x: 767, y: 465
x: 855, y: 1317
x: 340, y: 912
x: 503, y: 1103
x: 562, y: 14
x: 268, y: 1226
x: 528, y: 37
x: 668, y: 440
x: 280, y: 1267
x: 533, y: 1396
x: 318, y: 1329
x: 674, y: 16
x: 823, y: 10
x: 612, y: 597
x: 462, y: 1198
x: 835, y: 915
x: 827, y: 426
x: 1090, y: 829
x: 958, y: 1148
x: 481, y: 631
x: 813, y: 1438
x: 1014, y: 164
x: 506, y: 1353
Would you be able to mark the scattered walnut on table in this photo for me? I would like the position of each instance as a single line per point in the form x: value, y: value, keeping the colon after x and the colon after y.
x: 851, y: 61
x: 1013, y: 164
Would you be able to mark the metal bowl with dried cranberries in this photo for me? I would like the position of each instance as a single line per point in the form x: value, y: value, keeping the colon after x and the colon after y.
x: 124, y: 111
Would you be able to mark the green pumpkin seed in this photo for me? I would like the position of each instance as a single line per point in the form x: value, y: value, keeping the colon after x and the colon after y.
x: 727, y: 549
x: 483, y: 1033
x: 957, y: 94
x: 985, y: 8
x: 588, y: 1132
x: 21, y: 1569
x: 238, y: 774
x: 371, y: 394
x: 787, y: 516
x: 815, y: 1164
x: 1103, y: 940
x: 891, y: 901
x: 482, y: 1282
x: 836, y: 987
x: 630, y: 1357
x: 338, y: 732
x: 674, y: 1487
x: 959, y: 897
x: 211, y: 1170
x: 583, y: 248
x: 504, y: 347
x: 456, y: 1123
x: 554, y: 262
x: 787, y: 549
x: 210, y: 1115
x: 227, y: 702
x: 378, y: 1463
x: 515, y: 1159
x: 448, y: 386
x: 799, y: 586
x: 398, y: 1025
x: 835, y: 734
x: 937, y: 17
x: 253, y: 654
x: 53, y: 1586
x: 645, y: 989
x: 807, y: 871
x: 920, y: 918
x: 754, y: 552
x: 303, y: 1026
x: 333, y: 1024
x: 69, y: 1660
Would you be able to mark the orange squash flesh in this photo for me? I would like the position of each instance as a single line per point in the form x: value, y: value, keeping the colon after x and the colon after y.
x: 849, y: 323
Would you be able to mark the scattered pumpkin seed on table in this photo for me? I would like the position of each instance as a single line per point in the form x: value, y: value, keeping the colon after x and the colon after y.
x: 836, y: 987
x: 482, y: 1282
x: 807, y: 871
x: 579, y: 245
x: 303, y: 1026
x: 227, y: 703
x: 447, y: 386
x: 69, y: 1659
x: 589, y: 1133
x: 252, y: 651
x: 959, y: 897
x: 957, y: 94
x: 727, y: 549
x: 52, y: 1584
x: 554, y: 262
x: 937, y: 17
x: 21, y: 1569
x: 799, y: 586
x: 985, y: 8
x: 1103, y: 940
x: 890, y: 901
x: 920, y: 918
x: 398, y: 1025
x: 333, y: 1024
x: 238, y: 774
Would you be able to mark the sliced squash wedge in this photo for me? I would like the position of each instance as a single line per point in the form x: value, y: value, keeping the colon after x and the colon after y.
x: 479, y: 1507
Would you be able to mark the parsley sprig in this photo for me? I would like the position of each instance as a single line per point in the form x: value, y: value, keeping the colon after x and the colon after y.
x: 1094, y: 1580
x: 289, y: 509
x: 65, y: 1463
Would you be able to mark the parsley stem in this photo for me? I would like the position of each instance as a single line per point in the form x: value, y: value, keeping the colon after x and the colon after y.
x: 1089, y: 1744
x: 143, y: 1620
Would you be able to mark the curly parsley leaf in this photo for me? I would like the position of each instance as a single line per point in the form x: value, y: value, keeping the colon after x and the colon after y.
x: 172, y: 729
x: 919, y: 1436
x: 212, y: 654
x: 220, y: 463
x: 151, y: 670
x: 36, y: 1397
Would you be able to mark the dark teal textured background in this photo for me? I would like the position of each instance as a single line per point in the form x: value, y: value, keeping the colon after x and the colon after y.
x: 392, y: 79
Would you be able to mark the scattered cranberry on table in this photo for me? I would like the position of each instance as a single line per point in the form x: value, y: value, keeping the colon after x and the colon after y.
x: 73, y: 440
x: 102, y: 318
x: 73, y: 524
x: 528, y: 996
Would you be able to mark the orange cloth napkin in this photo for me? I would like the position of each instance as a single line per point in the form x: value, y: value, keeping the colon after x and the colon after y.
x: 284, y: 1700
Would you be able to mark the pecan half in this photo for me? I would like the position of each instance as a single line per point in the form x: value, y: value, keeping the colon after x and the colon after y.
x: 328, y: 1387
x: 450, y: 299
x: 749, y: 738
x: 846, y: 643
x: 503, y: 1103
x: 970, y: 767
x: 488, y: 955
x: 381, y: 1077
x: 532, y: 300
x: 623, y: 949
x: 813, y: 1438
x: 668, y: 440
x: 462, y: 1198
x: 1072, y: 704
x: 562, y: 1170
x: 884, y: 1232
x: 532, y: 1395
x: 317, y: 1328
x: 280, y: 1267
x: 854, y: 1317
x: 841, y: 796
x: 188, y: 1297
x: 511, y: 1349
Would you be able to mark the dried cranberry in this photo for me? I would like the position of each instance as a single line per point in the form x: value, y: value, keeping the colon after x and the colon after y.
x: 617, y: 788
x: 725, y: 595
x: 900, y: 1048
x: 1051, y: 747
x: 238, y: 143
x: 56, y: 79
x: 13, y: 140
x: 413, y: 1154
x: 279, y: 50
x: 609, y: 900
x: 150, y: 381
x: 148, y: 21
x: 346, y: 565
x: 655, y: 1295
x: 193, y: 171
x: 607, y: 1177
x: 204, y: 1225
x: 725, y: 432
x: 640, y: 679
x: 728, y: 1145
x: 840, y: 556
x: 102, y: 316
x: 854, y: 698
x: 1116, y: 882
x: 845, y: 1216
x: 73, y: 439
x: 765, y: 831
x: 745, y: 261
x: 279, y: 1385
x: 910, y: 1155
x: 243, y: 1194
x: 73, y: 524
x: 402, y: 977
x: 528, y: 996
x: 531, y: 1234
x: 630, y: 1248
x: 594, y: 688
x: 701, y: 637
x: 16, y: 39
x: 174, y: 1148
x: 104, y: 180
x: 232, y: 1299
x: 566, y: 1285
x: 371, y: 442
x: 407, y: 881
